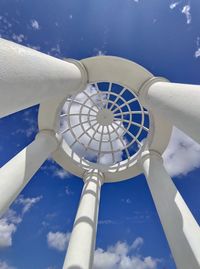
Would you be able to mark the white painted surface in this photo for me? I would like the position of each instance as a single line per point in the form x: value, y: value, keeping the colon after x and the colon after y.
x: 123, y: 72
x: 81, y: 247
x: 181, y: 229
x: 28, y: 77
x: 15, y: 174
x: 178, y: 104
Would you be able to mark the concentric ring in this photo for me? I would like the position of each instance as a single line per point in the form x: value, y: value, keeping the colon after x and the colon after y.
x: 105, y: 124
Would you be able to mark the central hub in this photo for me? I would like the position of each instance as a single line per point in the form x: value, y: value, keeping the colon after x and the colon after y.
x: 105, y: 117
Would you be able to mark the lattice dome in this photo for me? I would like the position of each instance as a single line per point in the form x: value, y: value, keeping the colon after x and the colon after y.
x: 105, y: 125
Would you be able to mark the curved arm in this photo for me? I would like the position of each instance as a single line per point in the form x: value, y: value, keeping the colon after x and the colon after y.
x: 178, y: 103
x: 29, y: 77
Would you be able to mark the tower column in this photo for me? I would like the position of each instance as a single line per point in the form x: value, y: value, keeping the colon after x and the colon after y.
x: 16, y: 173
x: 178, y: 103
x: 29, y: 77
x: 81, y: 247
x: 180, y: 227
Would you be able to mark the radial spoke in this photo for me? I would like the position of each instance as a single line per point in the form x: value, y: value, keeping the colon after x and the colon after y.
x: 89, y: 97
x: 133, y: 123
x: 76, y: 114
x: 123, y: 143
x: 100, y: 96
x: 72, y: 127
x: 125, y: 104
x: 84, y: 132
x: 83, y: 104
x: 129, y: 133
x: 92, y: 137
x: 108, y: 94
x: 117, y: 98
x: 100, y: 143
x: 111, y: 145
x: 132, y: 113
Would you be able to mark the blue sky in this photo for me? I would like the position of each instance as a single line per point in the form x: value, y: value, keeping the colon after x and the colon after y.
x: 164, y: 37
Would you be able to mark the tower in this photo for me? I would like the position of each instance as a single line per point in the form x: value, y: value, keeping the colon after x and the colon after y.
x: 104, y: 119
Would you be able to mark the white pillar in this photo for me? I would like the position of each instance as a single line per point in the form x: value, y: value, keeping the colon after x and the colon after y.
x: 28, y: 77
x: 15, y: 174
x: 178, y: 103
x: 81, y: 247
x: 180, y: 227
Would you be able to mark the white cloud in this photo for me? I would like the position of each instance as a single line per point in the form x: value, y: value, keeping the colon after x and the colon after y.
x: 174, y: 4
x: 18, y: 38
x: 121, y: 256
x: 61, y: 173
x: 106, y: 222
x: 6, y: 232
x: 186, y: 11
x: 51, y: 168
x: 182, y: 154
x: 8, y: 226
x: 126, y: 200
x: 186, y: 8
x: 139, y: 241
x: 27, y: 203
x: 29, y: 123
x: 55, y: 51
x: 4, y: 265
x: 10, y: 221
x: 35, y: 24
x: 33, y: 47
x: 197, y: 52
x: 101, y: 53
x: 68, y: 191
x: 58, y: 240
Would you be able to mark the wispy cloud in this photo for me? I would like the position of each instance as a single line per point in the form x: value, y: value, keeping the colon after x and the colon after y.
x: 4, y: 265
x: 58, y: 240
x: 126, y: 200
x: 10, y: 221
x: 197, y: 52
x: 61, y: 173
x: 19, y: 38
x: 106, y: 222
x: 35, y: 24
x: 27, y: 203
x: 68, y: 191
x: 182, y: 154
x: 174, y: 4
x: 186, y: 11
x: 124, y: 256
x: 51, y: 168
x: 30, y: 126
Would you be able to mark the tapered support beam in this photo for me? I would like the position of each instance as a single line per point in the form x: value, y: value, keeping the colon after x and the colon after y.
x: 178, y: 103
x: 180, y: 227
x: 28, y: 77
x: 15, y: 174
x: 81, y: 247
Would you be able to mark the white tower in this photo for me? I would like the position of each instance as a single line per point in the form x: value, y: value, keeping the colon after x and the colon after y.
x: 104, y: 119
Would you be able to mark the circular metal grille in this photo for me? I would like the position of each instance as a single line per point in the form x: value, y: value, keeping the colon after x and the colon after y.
x: 104, y: 125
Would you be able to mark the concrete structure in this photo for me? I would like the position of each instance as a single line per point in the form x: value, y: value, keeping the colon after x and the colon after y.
x: 104, y: 119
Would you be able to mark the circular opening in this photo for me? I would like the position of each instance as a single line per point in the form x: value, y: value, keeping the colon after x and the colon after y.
x: 104, y: 125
